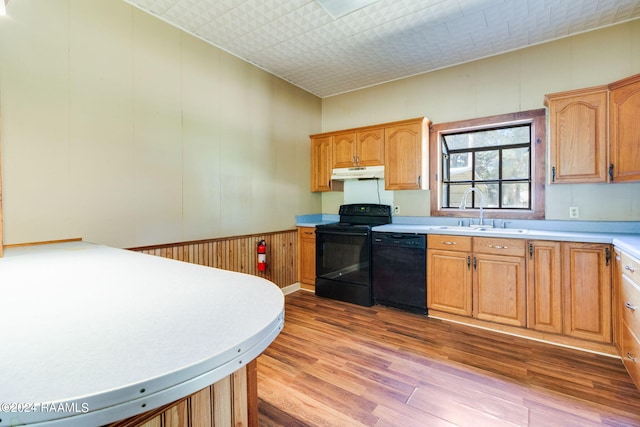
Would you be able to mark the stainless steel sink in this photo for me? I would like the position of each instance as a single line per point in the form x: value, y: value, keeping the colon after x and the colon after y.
x: 502, y: 230
x: 459, y: 228
x: 452, y: 228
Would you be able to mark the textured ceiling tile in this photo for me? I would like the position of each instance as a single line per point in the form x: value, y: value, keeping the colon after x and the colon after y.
x: 390, y: 39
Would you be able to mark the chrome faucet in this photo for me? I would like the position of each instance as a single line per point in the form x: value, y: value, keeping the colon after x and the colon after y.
x: 463, y: 203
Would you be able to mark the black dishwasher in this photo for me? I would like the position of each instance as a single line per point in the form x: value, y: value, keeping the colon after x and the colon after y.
x: 399, y: 270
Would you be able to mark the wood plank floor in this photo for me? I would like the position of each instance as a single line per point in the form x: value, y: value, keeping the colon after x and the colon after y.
x: 338, y: 364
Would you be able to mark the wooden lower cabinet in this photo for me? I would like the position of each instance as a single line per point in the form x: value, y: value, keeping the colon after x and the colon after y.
x: 628, y: 314
x: 449, y: 274
x: 470, y: 277
x: 500, y: 289
x: 586, y: 283
x: 499, y: 281
x: 617, y: 309
x: 307, y: 257
x: 631, y: 353
x: 562, y: 288
x: 544, y: 290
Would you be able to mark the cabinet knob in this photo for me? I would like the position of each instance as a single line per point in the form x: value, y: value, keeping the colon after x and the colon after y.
x: 448, y: 243
x: 498, y: 247
x: 629, y: 268
x: 630, y: 357
x: 630, y: 306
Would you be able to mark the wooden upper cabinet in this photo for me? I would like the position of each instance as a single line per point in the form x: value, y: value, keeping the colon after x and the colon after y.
x: 370, y: 147
x: 594, y: 133
x: 624, y: 129
x: 401, y: 147
x: 344, y: 150
x: 321, y: 163
x: 406, y: 155
x: 578, y: 135
x: 362, y: 148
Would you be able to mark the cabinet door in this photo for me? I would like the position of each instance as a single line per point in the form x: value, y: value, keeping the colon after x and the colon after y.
x: 586, y: 282
x: 499, y: 289
x: 544, y: 287
x: 629, y: 313
x: 578, y: 135
x: 405, y: 154
x: 617, y: 306
x: 631, y: 353
x: 370, y: 147
x: 629, y: 301
x: 344, y: 150
x: 307, y: 255
x: 624, y: 128
x: 449, y: 281
x: 321, y: 163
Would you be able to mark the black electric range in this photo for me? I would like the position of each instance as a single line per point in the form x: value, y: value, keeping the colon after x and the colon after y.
x: 343, y: 253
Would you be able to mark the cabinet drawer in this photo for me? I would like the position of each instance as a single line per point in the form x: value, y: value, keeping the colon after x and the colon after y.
x: 449, y: 243
x: 631, y: 267
x: 631, y: 354
x: 497, y: 246
x: 307, y: 232
x: 630, y: 300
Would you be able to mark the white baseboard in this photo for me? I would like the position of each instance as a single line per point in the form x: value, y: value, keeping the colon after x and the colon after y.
x: 291, y: 288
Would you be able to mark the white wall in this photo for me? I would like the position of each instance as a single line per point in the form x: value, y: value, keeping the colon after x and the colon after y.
x: 511, y: 82
x: 123, y: 130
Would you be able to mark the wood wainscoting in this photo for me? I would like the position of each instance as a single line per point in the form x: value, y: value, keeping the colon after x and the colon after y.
x: 232, y: 401
x: 239, y: 254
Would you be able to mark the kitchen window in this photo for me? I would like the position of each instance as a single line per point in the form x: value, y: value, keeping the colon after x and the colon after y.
x: 501, y: 156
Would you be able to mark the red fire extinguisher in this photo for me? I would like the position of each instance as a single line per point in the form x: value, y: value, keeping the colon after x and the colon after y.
x: 262, y: 255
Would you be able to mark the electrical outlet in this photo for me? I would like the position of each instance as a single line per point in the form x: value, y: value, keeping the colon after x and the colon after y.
x: 574, y: 213
x: 396, y: 210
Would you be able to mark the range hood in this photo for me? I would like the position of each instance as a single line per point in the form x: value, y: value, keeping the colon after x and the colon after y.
x: 358, y: 172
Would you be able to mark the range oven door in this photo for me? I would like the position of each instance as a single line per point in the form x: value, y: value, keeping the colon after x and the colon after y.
x: 343, y: 264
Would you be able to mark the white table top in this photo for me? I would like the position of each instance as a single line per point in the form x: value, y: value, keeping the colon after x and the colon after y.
x: 106, y: 333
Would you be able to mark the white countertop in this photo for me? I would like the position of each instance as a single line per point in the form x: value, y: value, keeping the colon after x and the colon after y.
x: 108, y: 333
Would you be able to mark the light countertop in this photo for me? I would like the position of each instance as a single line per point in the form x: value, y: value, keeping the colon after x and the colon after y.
x: 623, y: 234
x: 110, y: 333
x: 630, y: 243
x: 316, y: 219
